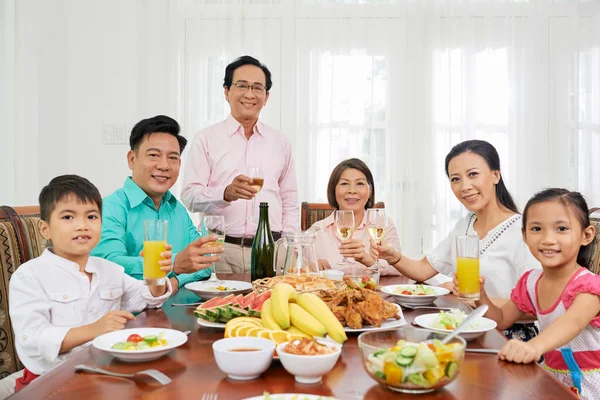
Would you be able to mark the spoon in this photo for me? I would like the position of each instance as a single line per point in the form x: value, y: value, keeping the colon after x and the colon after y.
x: 475, y: 314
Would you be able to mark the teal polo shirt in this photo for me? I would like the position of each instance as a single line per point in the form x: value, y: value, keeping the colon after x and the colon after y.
x: 123, y: 216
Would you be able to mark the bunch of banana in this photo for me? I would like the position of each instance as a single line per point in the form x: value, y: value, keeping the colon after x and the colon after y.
x: 302, y: 313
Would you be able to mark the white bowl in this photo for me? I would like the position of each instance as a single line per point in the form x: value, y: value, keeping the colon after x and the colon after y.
x: 482, y: 326
x: 414, y: 300
x: 243, y: 365
x: 309, y: 369
x: 206, y: 289
x: 106, y: 341
x: 333, y: 274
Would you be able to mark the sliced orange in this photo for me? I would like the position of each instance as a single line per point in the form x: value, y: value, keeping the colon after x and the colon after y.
x: 254, y: 332
x: 250, y: 320
x: 280, y: 336
x: 242, y: 330
x: 265, y: 333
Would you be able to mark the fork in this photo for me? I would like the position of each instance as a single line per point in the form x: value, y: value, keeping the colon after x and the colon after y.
x: 156, y: 375
x: 209, y: 396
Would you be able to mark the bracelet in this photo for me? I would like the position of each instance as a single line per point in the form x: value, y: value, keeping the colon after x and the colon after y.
x: 396, y: 261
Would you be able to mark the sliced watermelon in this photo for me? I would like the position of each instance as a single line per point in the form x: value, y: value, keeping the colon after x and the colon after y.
x: 256, y: 306
x: 248, y: 300
x: 211, y: 303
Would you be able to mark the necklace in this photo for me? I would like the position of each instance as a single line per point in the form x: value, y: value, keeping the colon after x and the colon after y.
x: 505, y: 225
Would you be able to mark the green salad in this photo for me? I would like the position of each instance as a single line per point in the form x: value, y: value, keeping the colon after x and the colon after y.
x: 417, y: 365
x: 417, y: 290
x: 451, y: 320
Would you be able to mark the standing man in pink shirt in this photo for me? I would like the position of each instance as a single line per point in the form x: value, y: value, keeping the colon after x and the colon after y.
x: 215, y: 179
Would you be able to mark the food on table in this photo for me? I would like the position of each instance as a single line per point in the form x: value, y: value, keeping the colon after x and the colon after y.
x: 306, y: 316
x: 355, y: 306
x: 221, y: 288
x: 135, y: 342
x: 418, y: 290
x: 305, y: 311
x: 307, y: 347
x: 368, y: 282
x: 300, y: 283
x: 451, y: 320
x: 420, y: 365
x: 223, y: 309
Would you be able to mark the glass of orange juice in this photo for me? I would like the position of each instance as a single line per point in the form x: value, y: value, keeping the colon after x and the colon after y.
x: 155, y: 242
x: 467, y: 267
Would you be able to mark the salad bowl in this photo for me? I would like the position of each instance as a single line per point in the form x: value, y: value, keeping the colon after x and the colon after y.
x: 411, y: 360
x: 446, y: 322
x: 414, y: 295
x: 109, y: 342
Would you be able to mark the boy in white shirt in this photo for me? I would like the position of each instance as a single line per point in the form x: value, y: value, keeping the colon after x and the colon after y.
x: 65, y: 298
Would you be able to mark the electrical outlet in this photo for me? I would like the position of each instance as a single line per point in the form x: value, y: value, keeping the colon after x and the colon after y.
x: 107, y: 133
x: 121, y: 134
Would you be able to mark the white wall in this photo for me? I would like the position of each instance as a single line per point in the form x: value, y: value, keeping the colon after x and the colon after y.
x: 80, y: 64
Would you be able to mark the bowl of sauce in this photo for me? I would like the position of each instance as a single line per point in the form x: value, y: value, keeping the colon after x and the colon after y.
x: 243, y: 358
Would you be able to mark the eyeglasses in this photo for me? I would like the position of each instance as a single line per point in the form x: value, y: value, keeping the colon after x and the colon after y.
x: 244, y: 86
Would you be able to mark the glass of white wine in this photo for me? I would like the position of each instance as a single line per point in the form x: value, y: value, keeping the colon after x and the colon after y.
x: 344, y: 226
x: 376, y: 223
x: 213, y: 225
x: 258, y: 181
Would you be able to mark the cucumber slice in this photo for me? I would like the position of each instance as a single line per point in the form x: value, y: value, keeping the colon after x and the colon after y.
x: 378, y: 352
x: 451, y: 369
x: 408, y: 351
x: 380, y: 375
x: 150, y: 339
x: 119, y: 346
x: 404, y: 361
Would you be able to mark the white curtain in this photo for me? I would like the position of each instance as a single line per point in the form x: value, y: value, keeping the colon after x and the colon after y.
x: 398, y: 83
x: 7, y: 99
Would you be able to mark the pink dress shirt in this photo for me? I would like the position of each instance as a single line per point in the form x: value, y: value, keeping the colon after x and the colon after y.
x: 327, y: 243
x: 221, y: 152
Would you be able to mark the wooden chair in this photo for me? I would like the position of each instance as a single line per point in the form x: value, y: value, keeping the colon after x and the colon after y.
x: 313, y: 212
x: 20, y: 241
x: 595, y: 220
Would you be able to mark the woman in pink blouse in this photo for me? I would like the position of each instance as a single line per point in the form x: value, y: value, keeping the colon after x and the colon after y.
x: 351, y: 187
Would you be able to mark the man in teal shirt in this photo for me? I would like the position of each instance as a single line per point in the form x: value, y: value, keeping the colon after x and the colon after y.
x: 154, y: 159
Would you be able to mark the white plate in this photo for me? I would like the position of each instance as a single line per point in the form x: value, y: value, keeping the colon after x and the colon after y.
x: 483, y: 325
x: 209, y: 324
x: 387, y: 324
x: 203, y: 288
x: 292, y: 396
x: 106, y: 341
x: 414, y: 300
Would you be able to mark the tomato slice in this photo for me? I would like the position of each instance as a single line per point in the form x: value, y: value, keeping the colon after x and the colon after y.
x: 135, y: 338
x: 406, y: 292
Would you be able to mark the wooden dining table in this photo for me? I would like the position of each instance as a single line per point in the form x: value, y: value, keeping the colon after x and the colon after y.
x: 194, y: 372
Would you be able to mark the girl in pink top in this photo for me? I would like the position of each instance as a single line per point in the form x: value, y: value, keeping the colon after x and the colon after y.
x: 564, y: 295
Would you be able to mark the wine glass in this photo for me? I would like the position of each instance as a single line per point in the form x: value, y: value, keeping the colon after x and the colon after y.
x: 256, y: 174
x: 213, y: 225
x: 376, y: 223
x: 344, y: 226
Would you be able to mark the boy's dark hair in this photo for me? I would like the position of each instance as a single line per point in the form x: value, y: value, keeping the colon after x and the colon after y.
x: 353, y: 163
x: 246, y: 60
x: 67, y: 185
x: 576, y: 203
x: 158, y: 124
x: 488, y: 152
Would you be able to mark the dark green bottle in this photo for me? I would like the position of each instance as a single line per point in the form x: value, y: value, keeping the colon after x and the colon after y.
x: 263, y: 248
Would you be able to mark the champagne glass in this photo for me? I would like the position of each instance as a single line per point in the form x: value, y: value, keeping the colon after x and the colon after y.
x: 213, y: 225
x: 344, y: 226
x: 376, y: 223
x: 256, y: 174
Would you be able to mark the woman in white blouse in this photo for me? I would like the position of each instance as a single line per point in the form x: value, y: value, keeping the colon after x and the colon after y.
x: 473, y: 168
